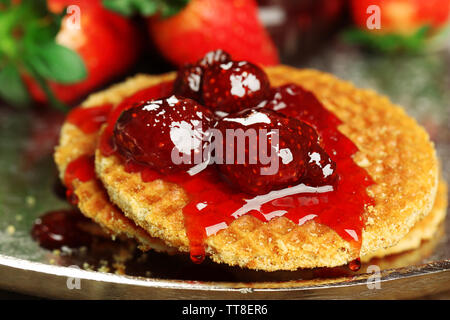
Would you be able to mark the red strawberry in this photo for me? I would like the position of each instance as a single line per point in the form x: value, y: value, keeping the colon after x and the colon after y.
x: 107, y: 42
x: 234, y: 86
x: 206, y: 25
x: 159, y: 132
x: 403, y: 16
x: 291, y: 154
x: 214, y: 57
x: 189, y: 78
x: 320, y: 169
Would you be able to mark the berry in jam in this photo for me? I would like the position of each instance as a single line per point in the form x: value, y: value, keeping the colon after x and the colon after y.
x: 188, y: 82
x: 214, y: 57
x: 277, y: 155
x: 234, y: 86
x: 320, y: 169
x: 106, y: 144
x: 61, y: 228
x: 168, y: 134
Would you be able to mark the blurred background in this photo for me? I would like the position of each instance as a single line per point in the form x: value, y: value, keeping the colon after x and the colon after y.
x: 53, y: 53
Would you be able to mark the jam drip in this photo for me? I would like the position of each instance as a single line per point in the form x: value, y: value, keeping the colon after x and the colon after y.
x: 89, y: 120
x: 214, y: 204
x: 81, y: 169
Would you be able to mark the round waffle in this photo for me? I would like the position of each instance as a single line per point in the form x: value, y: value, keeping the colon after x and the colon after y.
x: 424, y: 229
x: 393, y: 149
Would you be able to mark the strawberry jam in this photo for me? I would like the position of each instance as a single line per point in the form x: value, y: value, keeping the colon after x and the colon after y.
x: 81, y: 169
x: 89, y: 120
x: 61, y: 228
x: 215, y: 203
x: 355, y: 265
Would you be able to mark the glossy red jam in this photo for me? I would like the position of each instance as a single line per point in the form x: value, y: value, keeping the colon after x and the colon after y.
x: 81, y: 169
x: 89, y: 120
x: 214, y: 204
x: 355, y: 265
x: 61, y: 228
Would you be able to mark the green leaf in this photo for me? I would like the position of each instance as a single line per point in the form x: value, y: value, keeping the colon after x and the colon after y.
x: 124, y: 7
x: 131, y: 7
x: 172, y: 7
x: 27, y: 42
x: 5, y: 3
x: 146, y: 7
x: 388, y: 43
x: 12, y: 88
x: 58, y: 63
x: 43, y: 84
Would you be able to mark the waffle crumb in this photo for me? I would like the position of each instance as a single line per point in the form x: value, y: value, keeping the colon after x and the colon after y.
x: 87, y: 266
x: 30, y: 201
x: 103, y: 269
x: 11, y: 230
x: 119, y: 268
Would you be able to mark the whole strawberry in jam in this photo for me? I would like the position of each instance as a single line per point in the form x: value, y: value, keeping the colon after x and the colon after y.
x: 214, y: 57
x: 234, y: 86
x: 188, y: 82
x: 266, y: 151
x: 168, y: 134
x: 189, y: 77
x: 320, y: 169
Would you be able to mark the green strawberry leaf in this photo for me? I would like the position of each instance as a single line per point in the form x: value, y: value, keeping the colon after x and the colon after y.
x: 43, y: 84
x: 170, y: 8
x: 5, y: 3
x: 390, y: 42
x: 131, y: 7
x: 27, y: 42
x: 146, y: 8
x: 58, y: 63
x: 12, y: 88
x: 124, y: 7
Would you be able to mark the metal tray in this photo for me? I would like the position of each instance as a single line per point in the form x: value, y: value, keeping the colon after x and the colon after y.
x: 28, y: 175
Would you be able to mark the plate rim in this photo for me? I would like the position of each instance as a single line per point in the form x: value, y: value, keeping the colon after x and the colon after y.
x: 439, y: 266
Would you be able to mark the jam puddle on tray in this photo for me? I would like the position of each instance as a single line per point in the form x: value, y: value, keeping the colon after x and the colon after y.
x: 59, y: 228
